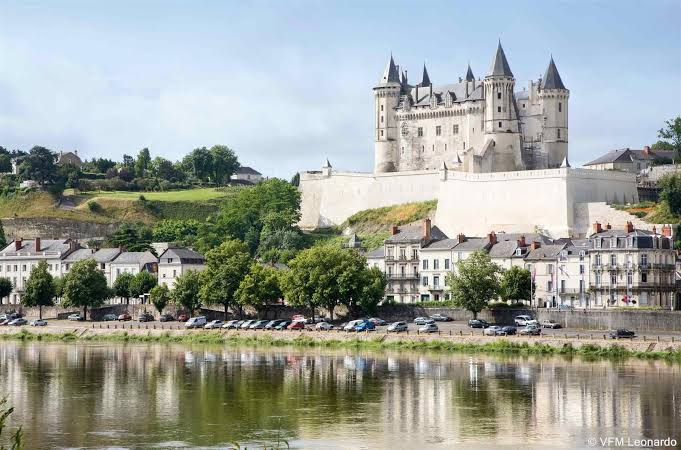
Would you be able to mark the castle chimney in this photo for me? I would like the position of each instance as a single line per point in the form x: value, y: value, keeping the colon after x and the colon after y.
x: 37, y: 244
x: 521, y: 241
x: 654, y: 229
x: 597, y: 227
x: 492, y: 238
x: 393, y: 230
x: 608, y: 226
x: 461, y: 238
x: 629, y: 227
x: 416, y: 100
x: 535, y: 245
x: 667, y: 230
x: 17, y: 244
x: 426, y: 230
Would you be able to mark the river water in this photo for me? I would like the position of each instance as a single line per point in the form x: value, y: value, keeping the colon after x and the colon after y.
x: 97, y: 395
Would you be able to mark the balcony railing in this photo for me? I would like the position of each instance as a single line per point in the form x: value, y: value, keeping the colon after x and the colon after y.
x: 403, y: 276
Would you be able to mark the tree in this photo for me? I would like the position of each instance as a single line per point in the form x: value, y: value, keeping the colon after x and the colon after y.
x: 163, y: 169
x: 516, y: 284
x: 186, y: 291
x: 39, y: 289
x: 142, y: 283
x: 259, y: 288
x: 5, y: 287
x: 160, y: 297
x: 85, y: 286
x: 181, y: 231
x: 475, y: 282
x: 672, y: 134
x: 226, y: 267
x: 121, y: 287
x: 5, y: 163
x: 201, y: 163
x: 132, y: 238
x: 295, y: 180
x: 3, y: 239
x: 670, y: 193
x: 142, y: 162
x: 224, y: 162
x: 39, y: 165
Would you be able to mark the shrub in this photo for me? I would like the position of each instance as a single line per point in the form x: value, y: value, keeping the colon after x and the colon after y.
x: 94, y: 207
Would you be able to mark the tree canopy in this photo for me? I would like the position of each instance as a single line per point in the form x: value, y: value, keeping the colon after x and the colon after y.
x: 85, y: 286
x: 160, y: 297
x: 39, y: 289
x: 186, y: 291
x: 226, y: 267
x: 671, y: 133
x: 259, y: 288
x: 516, y: 284
x: 121, y: 287
x: 5, y: 287
x: 671, y: 191
x: 475, y: 282
x: 142, y: 283
x: 39, y: 165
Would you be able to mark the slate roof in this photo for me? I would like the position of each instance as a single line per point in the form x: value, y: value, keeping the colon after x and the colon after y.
x: 628, y: 155
x: 457, y: 90
x: 443, y: 244
x: 27, y: 248
x: 390, y: 74
x: 529, y: 237
x: 469, y: 74
x: 618, y: 239
x: 104, y: 255
x: 426, y: 79
x: 473, y: 244
x: 503, y: 249
x: 184, y: 255
x: 545, y: 252
x: 378, y: 253
x: 414, y: 233
x: 500, y: 67
x: 79, y: 255
x: 135, y: 258
x: 551, y: 78
x: 245, y: 170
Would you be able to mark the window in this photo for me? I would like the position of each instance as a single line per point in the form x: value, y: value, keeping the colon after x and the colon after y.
x: 562, y: 286
x: 464, y: 145
x: 613, y: 279
x: 550, y: 267
x: 644, y: 278
x: 581, y: 255
x: 598, y: 279
x: 644, y: 259
x: 425, y: 264
x: 414, y: 254
x: 523, y: 105
x: 630, y: 279
x: 381, y: 119
x: 455, y: 129
x: 499, y: 110
x: 613, y: 260
x: 597, y: 260
x: 581, y: 269
x: 499, y: 124
x: 499, y: 95
x: 560, y: 107
x: 381, y: 107
x: 381, y: 132
x: 438, y: 130
x: 436, y: 264
x: 436, y: 281
x: 446, y: 263
x: 174, y: 273
x: 549, y: 286
x: 558, y: 133
x: 425, y: 281
x: 419, y: 131
x: 581, y: 286
x: 23, y: 267
x: 102, y: 266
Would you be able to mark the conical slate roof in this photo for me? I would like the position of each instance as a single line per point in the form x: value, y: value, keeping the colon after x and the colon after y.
x: 391, y: 74
x: 469, y: 74
x: 426, y: 79
x: 552, y: 78
x: 500, y: 67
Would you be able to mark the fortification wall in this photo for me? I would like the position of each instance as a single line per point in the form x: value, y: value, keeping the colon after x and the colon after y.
x: 53, y: 227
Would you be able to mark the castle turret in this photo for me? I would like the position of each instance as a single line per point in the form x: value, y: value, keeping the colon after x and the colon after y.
x: 554, y: 98
x: 386, y: 98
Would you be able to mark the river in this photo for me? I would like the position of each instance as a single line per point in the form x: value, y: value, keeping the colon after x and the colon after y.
x: 102, y: 395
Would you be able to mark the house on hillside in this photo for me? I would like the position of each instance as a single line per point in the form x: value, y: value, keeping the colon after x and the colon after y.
x: 133, y: 263
x: 69, y: 158
x: 175, y: 261
x: 628, y: 160
x: 248, y: 174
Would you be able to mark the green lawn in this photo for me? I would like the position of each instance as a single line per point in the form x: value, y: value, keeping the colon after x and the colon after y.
x: 188, y: 195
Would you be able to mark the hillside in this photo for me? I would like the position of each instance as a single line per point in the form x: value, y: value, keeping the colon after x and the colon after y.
x: 651, y: 212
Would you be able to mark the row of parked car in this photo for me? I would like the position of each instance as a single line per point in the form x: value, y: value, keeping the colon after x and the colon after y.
x: 16, y: 320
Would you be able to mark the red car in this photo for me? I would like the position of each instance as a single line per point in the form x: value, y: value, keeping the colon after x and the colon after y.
x: 125, y: 316
x: 297, y: 326
x: 182, y: 318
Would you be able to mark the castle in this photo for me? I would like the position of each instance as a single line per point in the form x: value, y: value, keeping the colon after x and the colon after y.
x: 472, y: 125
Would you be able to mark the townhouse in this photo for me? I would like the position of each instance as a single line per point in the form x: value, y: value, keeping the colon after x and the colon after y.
x: 178, y: 260
x: 133, y: 263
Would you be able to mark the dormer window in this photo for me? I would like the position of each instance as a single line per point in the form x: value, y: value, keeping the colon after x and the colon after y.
x: 519, y: 252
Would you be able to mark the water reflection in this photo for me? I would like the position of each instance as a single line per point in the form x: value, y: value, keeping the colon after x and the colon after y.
x: 104, y: 395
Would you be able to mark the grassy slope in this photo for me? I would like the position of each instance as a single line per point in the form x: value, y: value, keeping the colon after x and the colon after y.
x: 189, y: 195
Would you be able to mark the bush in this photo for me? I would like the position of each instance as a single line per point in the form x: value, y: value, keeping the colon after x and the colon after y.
x: 142, y: 198
x: 94, y: 207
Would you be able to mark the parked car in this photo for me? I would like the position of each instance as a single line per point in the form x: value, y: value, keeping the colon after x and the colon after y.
x: 522, y: 320
x: 316, y: 319
x: 622, y: 333
x: 213, y: 325
x: 378, y: 322
x: 530, y: 330
x: 75, y: 317
x: 165, y: 318
x: 441, y: 318
x: 245, y: 324
x: 298, y: 318
x: 5, y: 322
x: 493, y: 330
x: 350, y: 326
x: 124, y: 316
x: 258, y: 325
x: 234, y: 324
x: 273, y: 323
x: 550, y: 324
x: 323, y: 326
x: 396, y: 327
x: 182, y: 317
x: 365, y: 325
x: 145, y: 317
x: 423, y: 320
x: 509, y: 330
x: 18, y: 322
x: 429, y: 328
x: 478, y: 323
x: 228, y: 324
x: 38, y: 323
x: 196, y: 322
x: 298, y: 325
x: 282, y: 325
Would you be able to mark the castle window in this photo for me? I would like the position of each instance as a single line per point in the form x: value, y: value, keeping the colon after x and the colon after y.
x: 419, y: 131
x: 445, y: 147
x: 560, y: 107
x: 433, y: 147
x: 438, y: 130
x: 499, y: 124
x: 403, y: 150
x: 381, y: 107
x: 499, y: 95
x: 523, y: 105
x: 498, y: 108
x: 455, y: 129
x: 464, y: 145
x: 381, y: 132
x: 381, y: 119
x: 558, y: 133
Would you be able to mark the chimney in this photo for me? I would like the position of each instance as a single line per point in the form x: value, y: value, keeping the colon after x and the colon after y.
x: 37, y: 244
x: 492, y: 238
x: 629, y: 227
x: 461, y: 238
x: 393, y: 230
x: 17, y: 244
x: 535, y: 245
x: 646, y: 150
x: 426, y: 230
x: 667, y: 230
x: 73, y: 245
x: 521, y: 241
x: 597, y: 227
x: 654, y: 229
x: 608, y: 226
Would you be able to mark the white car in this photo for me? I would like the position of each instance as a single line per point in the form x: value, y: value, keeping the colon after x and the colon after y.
x: 196, y: 322
x: 429, y: 328
x: 423, y: 320
x: 350, y: 326
x: 213, y: 324
x: 521, y: 321
x: 396, y: 327
x: 323, y: 326
x: 229, y: 324
x: 38, y: 323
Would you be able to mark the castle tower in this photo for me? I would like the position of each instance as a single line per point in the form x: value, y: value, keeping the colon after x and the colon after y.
x: 386, y: 98
x: 501, y: 117
x: 554, y: 98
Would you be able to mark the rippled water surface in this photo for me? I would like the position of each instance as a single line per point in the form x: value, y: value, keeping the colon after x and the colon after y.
x: 156, y: 395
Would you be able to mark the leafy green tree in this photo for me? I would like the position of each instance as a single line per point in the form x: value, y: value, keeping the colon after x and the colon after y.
x: 259, y: 288
x: 160, y: 297
x: 39, y: 165
x: 373, y: 290
x: 295, y: 180
x: 5, y: 287
x: 475, y: 282
x: 516, y: 284
x: 3, y: 239
x: 671, y: 191
x: 142, y: 162
x: 186, y: 291
x: 5, y: 163
x: 85, y: 286
x: 672, y: 134
x: 121, y: 287
x: 224, y: 163
x: 226, y: 267
x: 142, y: 283
x: 58, y: 287
x: 662, y: 145
x: 181, y: 231
x: 39, y: 290
x: 201, y: 163
x: 164, y: 169
x: 132, y: 238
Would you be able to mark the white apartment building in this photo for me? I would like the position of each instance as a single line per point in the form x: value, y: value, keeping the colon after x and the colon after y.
x: 133, y: 263
x: 572, y: 274
x: 178, y: 260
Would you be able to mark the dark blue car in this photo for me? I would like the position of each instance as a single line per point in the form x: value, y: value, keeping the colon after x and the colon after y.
x: 366, y: 325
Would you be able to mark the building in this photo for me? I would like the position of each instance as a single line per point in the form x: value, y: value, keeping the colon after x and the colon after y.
x: 70, y: 158
x: 542, y: 262
x: 245, y: 173
x: 133, y: 263
x: 475, y: 125
x: 628, y: 160
x: 104, y: 257
x: 176, y: 261
x: 572, y: 275
x: 21, y: 255
x: 631, y: 267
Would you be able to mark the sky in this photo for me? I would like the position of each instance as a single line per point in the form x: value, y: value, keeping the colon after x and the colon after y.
x: 287, y: 84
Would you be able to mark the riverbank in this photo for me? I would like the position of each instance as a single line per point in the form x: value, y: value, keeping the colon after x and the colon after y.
x: 591, y: 346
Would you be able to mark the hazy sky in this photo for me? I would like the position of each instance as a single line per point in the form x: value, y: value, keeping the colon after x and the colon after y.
x: 288, y: 83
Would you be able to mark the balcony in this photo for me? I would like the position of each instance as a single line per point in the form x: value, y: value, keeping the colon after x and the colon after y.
x: 570, y: 291
x: 403, y: 276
